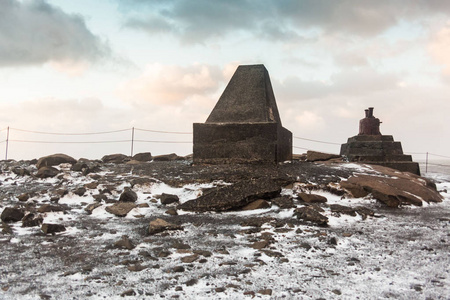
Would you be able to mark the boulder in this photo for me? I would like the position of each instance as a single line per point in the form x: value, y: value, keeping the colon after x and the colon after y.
x: 20, y: 171
x: 160, y: 225
x: 32, y: 220
x: 115, y: 158
x: 312, y: 198
x: 320, y: 156
x: 85, y: 166
x: 80, y: 191
x: 258, y: 204
x: 169, y: 198
x: 12, y: 214
x: 23, y: 197
x: 46, y: 172
x: 167, y: 157
x: 342, y: 209
x: 52, y: 228
x: 394, y: 188
x: 237, y: 195
x: 128, y: 195
x: 120, y: 209
x: 145, y: 156
x: 54, y: 160
x: 50, y: 208
x: 309, y: 214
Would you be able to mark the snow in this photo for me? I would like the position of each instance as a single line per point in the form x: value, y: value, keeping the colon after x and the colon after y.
x: 400, y: 254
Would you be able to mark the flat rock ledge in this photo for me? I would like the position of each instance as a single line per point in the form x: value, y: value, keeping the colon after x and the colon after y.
x: 237, y: 195
x: 392, y: 187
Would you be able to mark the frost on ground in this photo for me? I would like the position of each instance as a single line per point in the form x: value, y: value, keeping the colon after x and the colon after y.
x: 265, y: 254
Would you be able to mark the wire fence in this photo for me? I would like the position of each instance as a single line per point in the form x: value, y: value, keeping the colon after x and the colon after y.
x: 427, y: 159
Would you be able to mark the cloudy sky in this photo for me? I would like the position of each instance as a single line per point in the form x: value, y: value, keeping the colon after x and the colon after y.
x: 109, y: 65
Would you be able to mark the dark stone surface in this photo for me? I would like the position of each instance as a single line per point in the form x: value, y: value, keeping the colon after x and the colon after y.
x: 54, y: 160
x: 46, y: 172
x: 52, y: 228
x: 12, y: 214
x: 115, y: 158
x: 237, y: 195
x: 144, y: 156
x: 245, y: 125
x: 128, y: 195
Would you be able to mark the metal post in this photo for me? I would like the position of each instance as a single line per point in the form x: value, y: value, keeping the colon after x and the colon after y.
x: 426, y: 164
x: 132, y: 140
x: 7, y: 142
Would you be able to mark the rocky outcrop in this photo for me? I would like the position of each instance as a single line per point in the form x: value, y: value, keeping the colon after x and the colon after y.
x: 168, y: 198
x: 54, y: 160
x: 160, y: 225
x: 167, y: 157
x: 237, y: 195
x: 115, y: 158
x: 392, y: 187
x: 320, y: 156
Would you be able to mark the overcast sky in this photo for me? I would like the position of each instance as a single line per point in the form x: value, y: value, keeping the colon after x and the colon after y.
x: 106, y: 65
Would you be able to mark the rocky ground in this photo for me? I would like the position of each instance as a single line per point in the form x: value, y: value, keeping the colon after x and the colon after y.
x: 164, y: 228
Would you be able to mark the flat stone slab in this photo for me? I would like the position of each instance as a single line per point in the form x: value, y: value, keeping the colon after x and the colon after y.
x: 237, y: 195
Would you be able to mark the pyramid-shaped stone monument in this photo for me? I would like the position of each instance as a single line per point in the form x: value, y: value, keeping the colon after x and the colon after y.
x: 244, y: 126
x: 371, y: 147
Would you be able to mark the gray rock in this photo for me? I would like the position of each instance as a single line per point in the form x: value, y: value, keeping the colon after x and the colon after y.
x: 32, y: 220
x: 145, y: 156
x: 80, y: 191
x: 346, y: 210
x: 237, y: 195
x: 120, y: 209
x: 309, y: 214
x: 46, y: 172
x: 160, y: 225
x: 54, y: 160
x: 115, y: 158
x: 169, y: 198
x: 52, y: 228
x: 128, y: 195
x: 124, y: 243
x: 12, y: 214
x: 312, y: 198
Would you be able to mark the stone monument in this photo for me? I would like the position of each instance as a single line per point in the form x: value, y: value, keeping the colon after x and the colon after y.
x: 244, y: 126
x: 371, y: 147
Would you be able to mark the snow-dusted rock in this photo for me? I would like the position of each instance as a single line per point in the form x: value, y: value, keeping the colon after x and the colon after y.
x: 54, y: 160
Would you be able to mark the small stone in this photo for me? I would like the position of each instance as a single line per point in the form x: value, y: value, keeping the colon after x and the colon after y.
x: 347, y: 210
x: 52, y: 228
x: 169, y: 198
x: 136, y: 268
x: 172, y: 211
x: 178, y: 269
x: 124, y: 243
x: 310, y: 214
x: 220, y: 289
x: 160, y: 225
x: 260, y: 245
x: 90, y: 208
x: 47, y: 172
x: 128, y: 293
x: 191, y: 282
x: 312, y: 198
x: 337, y: 292
x: 23, y: 197
x: 120, y: 209
x: 80, y: 191
x: 189, y: 259
x: 258, y: 204
x: 50, y: 208
x: 265, y: 292
x: 31, y: 220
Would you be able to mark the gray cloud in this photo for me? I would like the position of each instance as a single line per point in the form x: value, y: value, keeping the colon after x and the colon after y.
x: 198, y: 21
x: 36, y: 32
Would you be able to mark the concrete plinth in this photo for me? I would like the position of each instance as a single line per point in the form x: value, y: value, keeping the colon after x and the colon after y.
x: 244, y: 126
x: 379, y: 150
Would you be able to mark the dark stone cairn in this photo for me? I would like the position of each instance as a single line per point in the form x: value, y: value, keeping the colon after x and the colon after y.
x: 371, y: 147
x: 244, y: 126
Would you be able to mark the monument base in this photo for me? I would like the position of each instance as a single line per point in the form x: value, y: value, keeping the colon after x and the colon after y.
x: 379, y: 150
x: 225, y: 143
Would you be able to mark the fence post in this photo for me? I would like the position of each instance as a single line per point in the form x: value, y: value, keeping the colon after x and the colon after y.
x: 426, y: 164
x: 7, y: 142
x: 132, y: 140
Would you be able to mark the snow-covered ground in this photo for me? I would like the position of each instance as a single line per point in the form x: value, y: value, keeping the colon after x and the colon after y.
x: 397, y: 254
